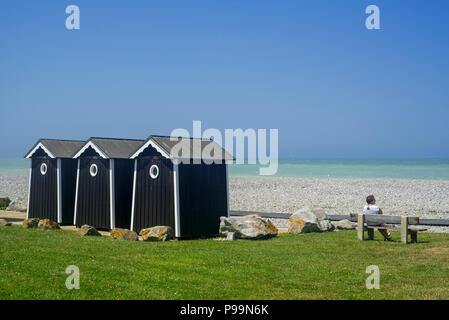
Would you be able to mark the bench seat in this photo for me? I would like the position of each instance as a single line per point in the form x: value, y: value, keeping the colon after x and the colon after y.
x: 404, y: 227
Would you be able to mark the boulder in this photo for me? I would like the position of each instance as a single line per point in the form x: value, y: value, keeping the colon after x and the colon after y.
x: 47, y: 224
x: 124, y: 234
x: 306, y: 220
x: 158, y: 233
x: 4, y: 223
x: 247, y: 227
x: 230, y: 236
x: 18, y: 205
x: 4, y: 202
x: 30, y: 223
x: 87, y: 230
x: 344, y: 225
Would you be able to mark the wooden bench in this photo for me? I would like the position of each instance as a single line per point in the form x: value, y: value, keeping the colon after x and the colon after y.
x: 371, y: 222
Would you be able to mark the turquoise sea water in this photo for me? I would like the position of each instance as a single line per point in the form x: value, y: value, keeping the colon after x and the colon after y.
x: 15, y: 166
x: 432, y: 169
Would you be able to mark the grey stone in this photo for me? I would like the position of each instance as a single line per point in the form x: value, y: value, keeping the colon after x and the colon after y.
x: 87, y: 230
x: 4, y: 223
x: 230, y: 236
x: 124, y: 234
x: 247, y: 227
x: 30, y: 223
x: 306, y: 220
x: 157, y: 233
x: 4, y: 202
x: 18, y: 205
x: 344, y: 225
x: 47, y: 224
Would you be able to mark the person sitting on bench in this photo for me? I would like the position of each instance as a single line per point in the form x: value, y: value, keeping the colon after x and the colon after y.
x: 371, y: 208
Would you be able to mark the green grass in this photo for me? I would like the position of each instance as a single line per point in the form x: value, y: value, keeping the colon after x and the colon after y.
x: 309, y: 266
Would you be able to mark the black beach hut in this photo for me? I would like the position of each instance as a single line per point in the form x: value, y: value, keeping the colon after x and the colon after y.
x: 104, y: 183
x: 190, y: 198
x: 51, y: 193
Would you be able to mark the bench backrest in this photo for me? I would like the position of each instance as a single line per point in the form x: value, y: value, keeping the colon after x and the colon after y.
x: 378, y: 218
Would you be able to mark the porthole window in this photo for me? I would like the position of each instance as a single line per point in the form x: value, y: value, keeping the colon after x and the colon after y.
x: 154, y: 171
x: 93, y: 170
x: 43, y: 169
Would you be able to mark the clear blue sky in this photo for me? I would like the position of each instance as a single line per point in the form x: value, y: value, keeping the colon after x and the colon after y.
x: 309, y: 68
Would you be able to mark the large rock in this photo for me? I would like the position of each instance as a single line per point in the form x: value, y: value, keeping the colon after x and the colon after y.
x: 4, y: 202
x: 306, y: 220
x: 30, y: 223
x: 18, y: 205
x: 158, y: 233
x: 124, y: 234
x: 87, y: 230
x: 247, y: 227
x: 4, y: 223
x: 344, y: 225
x: 47, y: 224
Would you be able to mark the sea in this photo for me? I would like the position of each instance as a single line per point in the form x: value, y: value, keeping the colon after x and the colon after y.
x: 427, y: 169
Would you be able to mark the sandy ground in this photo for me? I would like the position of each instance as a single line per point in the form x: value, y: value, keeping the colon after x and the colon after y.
x: 16, y: 218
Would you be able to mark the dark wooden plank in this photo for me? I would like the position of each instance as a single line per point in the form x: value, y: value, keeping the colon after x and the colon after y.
x: 338, y: 217
x: 203, y: 199
x: 434, y: 222
x: 262, y: 214
x: 151, y: 208
x: 68, y: 186
x: 43, y: 193
x: 93, y: 206
x: 374, y: 218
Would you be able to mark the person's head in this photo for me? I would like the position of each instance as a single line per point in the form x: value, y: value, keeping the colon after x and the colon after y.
x: 370, y: 199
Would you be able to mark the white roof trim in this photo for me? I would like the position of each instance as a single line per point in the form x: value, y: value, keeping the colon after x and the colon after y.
x: 87, y: 145
x: 154, y: 145
x: 40, y: 145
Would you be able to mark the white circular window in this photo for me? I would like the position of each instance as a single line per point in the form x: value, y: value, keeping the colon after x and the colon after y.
x: 154, y: 171
x: 43, y: 169
x: 93, y: 170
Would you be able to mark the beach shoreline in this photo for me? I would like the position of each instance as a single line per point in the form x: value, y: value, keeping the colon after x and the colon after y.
x: 423, y: 198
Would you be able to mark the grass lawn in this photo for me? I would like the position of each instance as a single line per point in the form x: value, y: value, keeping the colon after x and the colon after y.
x: 309, y: 266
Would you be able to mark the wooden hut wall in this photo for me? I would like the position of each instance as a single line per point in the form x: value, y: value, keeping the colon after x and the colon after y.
x: 203, y: 198
x: 123, y: 175
x: 68, y: 189
x: 93, y: 203
x: 43, y: 202
x: 154, y: 198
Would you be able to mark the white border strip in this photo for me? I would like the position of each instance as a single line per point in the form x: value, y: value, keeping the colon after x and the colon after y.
x: 29, y: 189
x: 176, y: 200
x: 76, y: 191
x: 227, y: 190
x: 112, y: 191
x: 40, y: 145
x: 154, y: 145
x: 134, y: 196
x: 59, y: 187
x: 87, y: 145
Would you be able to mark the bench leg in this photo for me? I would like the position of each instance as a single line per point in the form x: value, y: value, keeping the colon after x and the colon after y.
x: 370, y: 234
x: 404, y: 230
x: 414, y: 236
x: 361, y: 227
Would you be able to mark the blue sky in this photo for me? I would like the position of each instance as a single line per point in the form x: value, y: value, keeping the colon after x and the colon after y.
x: 308, y: 68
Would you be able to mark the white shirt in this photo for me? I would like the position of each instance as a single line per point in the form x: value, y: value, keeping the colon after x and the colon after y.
x: 372, y: 209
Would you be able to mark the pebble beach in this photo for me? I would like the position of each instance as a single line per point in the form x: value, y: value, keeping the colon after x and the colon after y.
x: 423, y: 198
